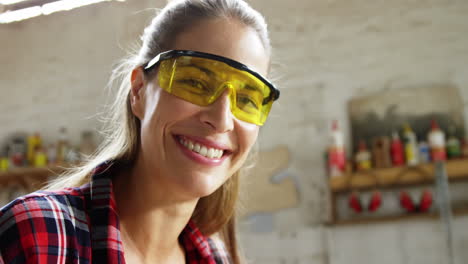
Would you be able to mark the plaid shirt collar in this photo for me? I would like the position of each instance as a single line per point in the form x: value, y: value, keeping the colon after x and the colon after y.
x: 105, y: 229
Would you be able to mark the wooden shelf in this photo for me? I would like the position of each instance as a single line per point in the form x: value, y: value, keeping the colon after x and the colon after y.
x: 397, y: 176
x: 24, y: 174
x: 396, y: 218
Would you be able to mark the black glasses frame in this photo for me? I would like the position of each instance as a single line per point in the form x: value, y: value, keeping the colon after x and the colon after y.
x: 274, y: 92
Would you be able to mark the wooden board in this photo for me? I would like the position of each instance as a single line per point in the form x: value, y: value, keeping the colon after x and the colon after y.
x: 27, y: 174
x: 261, y: 193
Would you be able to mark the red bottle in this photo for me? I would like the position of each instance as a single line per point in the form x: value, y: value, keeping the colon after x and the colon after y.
x: 397, y: 151
x: 336, y: 152
x: 436, y: 140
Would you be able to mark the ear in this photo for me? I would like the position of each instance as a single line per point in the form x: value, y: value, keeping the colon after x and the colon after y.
x: 137, y: 83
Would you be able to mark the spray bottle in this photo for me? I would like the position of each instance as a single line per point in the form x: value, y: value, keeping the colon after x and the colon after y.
x: 363, y: 157
x: 336, y: 152
x: 436, y: 140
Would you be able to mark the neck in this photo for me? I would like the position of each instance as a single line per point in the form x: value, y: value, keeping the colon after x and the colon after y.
x: 151, y: 219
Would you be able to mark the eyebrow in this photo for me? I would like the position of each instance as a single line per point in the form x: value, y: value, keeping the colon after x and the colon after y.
x: 203, y: 69
x: 253, y: 88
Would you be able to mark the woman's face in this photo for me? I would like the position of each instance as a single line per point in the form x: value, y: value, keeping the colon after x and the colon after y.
x: 174, y: 131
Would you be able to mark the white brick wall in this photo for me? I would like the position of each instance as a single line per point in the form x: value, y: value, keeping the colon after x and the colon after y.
x: 325, y: 52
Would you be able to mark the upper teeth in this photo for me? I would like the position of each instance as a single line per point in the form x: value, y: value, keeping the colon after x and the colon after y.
x: 202, y: 150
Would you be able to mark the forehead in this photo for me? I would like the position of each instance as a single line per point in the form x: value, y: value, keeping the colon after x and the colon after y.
x: 227, y: 38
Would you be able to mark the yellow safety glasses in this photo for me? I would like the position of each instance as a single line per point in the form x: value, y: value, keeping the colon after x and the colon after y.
x: 200, y: 78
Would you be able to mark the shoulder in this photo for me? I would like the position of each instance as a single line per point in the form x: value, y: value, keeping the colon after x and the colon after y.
x: 33, y: 224
x: 68, y: 202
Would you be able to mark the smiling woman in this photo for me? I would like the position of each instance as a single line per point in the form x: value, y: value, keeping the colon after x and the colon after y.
x: 164, y: 185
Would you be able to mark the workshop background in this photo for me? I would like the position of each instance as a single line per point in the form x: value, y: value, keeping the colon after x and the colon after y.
x: 54, y: 70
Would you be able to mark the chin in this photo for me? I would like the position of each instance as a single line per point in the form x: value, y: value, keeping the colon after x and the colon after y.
x: 202, y: 186
x: 201, y: 190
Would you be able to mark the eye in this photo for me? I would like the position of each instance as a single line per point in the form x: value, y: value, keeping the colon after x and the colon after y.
x: 195, y: 85
x: 246, y: 101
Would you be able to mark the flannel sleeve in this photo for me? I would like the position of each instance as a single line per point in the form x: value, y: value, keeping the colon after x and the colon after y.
x: 32, y: 231
x: 17, y: 232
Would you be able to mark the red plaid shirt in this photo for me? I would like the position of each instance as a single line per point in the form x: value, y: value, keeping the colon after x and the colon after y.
x: 80, y: 225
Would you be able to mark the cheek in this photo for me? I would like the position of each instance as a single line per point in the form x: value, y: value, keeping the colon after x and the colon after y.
x: 170, y: 109
x: 247, y: 136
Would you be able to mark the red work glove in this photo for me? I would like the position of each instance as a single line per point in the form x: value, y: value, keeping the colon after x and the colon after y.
x: 406, y: 201
x: 354, y: 202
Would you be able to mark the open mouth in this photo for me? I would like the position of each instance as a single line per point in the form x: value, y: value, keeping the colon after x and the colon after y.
x: 199, y: 148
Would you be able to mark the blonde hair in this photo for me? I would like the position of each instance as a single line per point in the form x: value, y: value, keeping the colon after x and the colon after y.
x: 214, y: 213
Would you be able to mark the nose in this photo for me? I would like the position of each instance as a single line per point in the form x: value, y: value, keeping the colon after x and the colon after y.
x: 218, y: 115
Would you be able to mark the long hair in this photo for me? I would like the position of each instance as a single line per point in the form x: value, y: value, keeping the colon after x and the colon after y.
x: 214, y: 213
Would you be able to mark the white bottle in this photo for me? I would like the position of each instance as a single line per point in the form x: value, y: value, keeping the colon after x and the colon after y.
x: 436, y: 140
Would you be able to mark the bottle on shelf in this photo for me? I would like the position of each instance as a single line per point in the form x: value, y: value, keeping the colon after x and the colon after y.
x: 398, y: 156
x: 436, y: 138
x: 34, y: 142
x: 424, y: 152
x: 62, y: 146
x: 4, y: 161
x: 411, y: 147
x: 453, y: 144
x: 40, y: 158
x: 4, y: 164
x: 381, y: 152
x: 52, y: 154
x: 31, y: 148
x: 336, y: 152
x: 464, y: 150
x: 363, y: 157
x: 17, y: 151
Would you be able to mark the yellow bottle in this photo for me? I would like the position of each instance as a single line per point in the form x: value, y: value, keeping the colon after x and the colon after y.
x: 411, y: 146
x: 40, y: 159
x: 34, y: 142
x: 4, y: 164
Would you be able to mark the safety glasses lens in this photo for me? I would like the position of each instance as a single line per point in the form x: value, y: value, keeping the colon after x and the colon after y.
x: 201, y: 81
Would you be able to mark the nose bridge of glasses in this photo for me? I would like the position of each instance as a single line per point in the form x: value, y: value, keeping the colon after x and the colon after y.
x: 226, y: 88
x: 222, y: 87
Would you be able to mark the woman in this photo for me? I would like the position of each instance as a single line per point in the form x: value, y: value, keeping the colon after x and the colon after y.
x: 163, y: 187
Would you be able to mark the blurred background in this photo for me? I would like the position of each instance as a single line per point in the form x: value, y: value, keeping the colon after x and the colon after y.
x: 373, y: 95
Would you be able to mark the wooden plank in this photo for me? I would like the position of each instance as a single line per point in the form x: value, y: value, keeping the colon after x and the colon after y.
x: 395, y: 218
x: 24, y: 174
